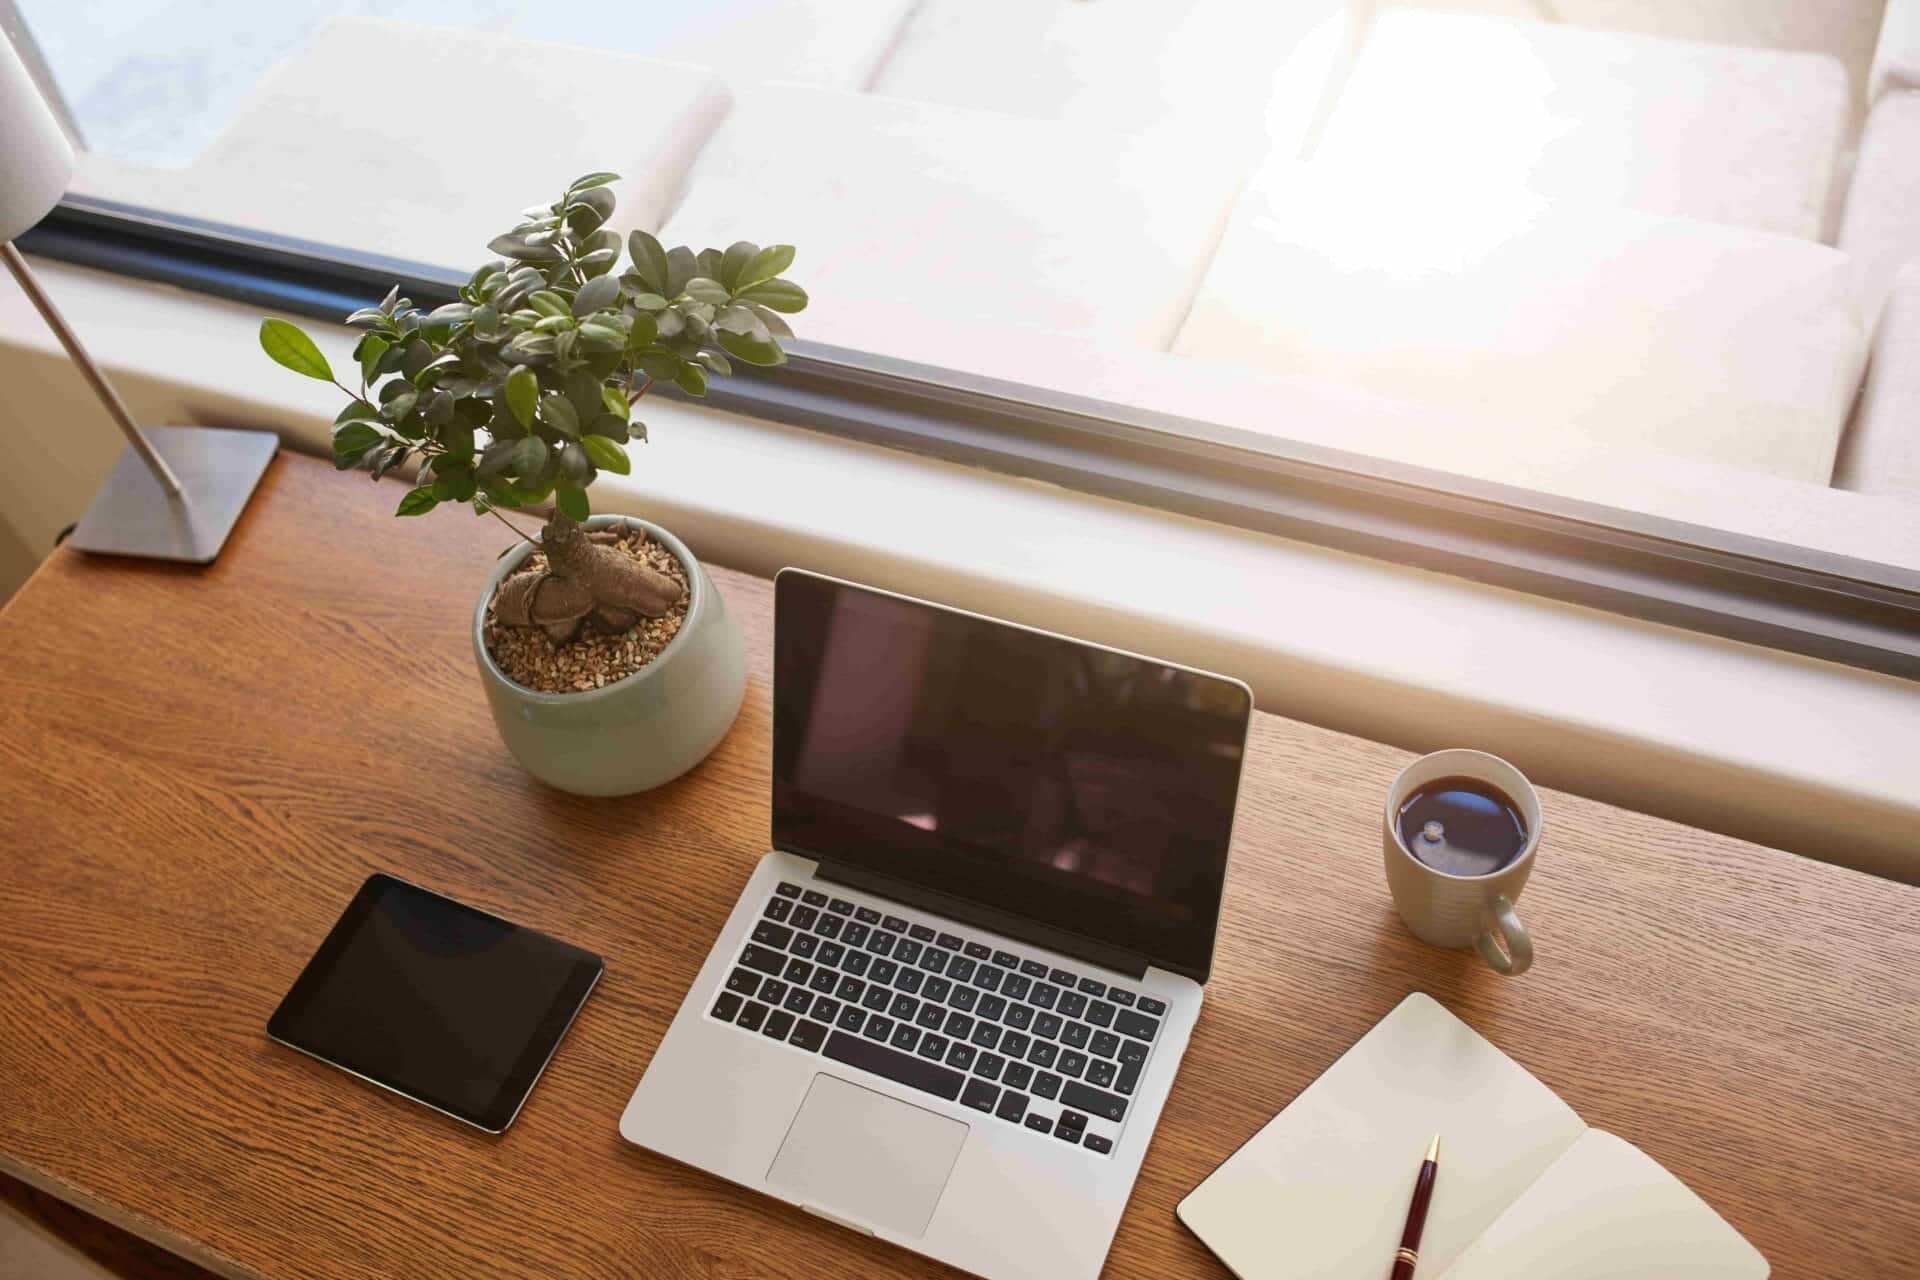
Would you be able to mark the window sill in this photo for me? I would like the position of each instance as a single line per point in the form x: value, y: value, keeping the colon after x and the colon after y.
x: 1792, y: 752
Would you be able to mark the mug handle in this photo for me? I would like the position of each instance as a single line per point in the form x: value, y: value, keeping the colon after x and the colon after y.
x: 1503, y: 921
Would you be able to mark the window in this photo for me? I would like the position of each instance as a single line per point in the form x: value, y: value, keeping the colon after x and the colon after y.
x: 1591, y: 302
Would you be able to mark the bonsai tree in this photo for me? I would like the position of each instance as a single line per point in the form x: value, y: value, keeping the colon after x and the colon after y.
x: 521, y: 393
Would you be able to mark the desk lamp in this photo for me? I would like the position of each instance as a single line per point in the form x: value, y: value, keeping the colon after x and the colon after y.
x: 174, y: 495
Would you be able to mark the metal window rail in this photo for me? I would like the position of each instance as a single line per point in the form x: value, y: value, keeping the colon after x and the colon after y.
x: 1831, y: 607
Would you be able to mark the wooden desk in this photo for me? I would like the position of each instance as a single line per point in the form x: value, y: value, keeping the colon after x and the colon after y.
x: 200, y: 766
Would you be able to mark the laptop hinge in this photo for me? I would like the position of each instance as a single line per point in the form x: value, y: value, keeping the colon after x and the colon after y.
x: 1004, y: 922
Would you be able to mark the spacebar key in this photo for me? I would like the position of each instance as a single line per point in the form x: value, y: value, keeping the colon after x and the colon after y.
x: 894, y: 1065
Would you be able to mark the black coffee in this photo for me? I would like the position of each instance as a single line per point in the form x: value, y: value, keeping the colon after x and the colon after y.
x: 1462, y: 826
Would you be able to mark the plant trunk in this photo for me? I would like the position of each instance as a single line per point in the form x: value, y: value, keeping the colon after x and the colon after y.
x: 584, y: 578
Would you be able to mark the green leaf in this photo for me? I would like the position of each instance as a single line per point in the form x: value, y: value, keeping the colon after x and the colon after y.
x: 529, y: 458
x: 637, y: 430
x: 453, y: 482
x: 548, y: 303
x: 649, y: 261
x: 596, y: 295
x: 703, y: 289
x: 641, y: 332
x: 587, y: 183
x: 523, y: 394
x: 575, y: 468
x: 371, y: 348
x: 558, y: 412
x: 778, y: 295
x: 606, y: 455
x: 356, y: 437
x: 356, y: 408
x: 607, y: 425
x: 615, y: 402
x: 294, y: 349
x: 692, y: 379
x: 553, y: 324
x: 517, y: 248
x: 494, y: 458
x: 737, y: 256
x: 650, y: 302
x: 766, y: 264
x: 451, y: 314
x: 601, y: 335
x: 764, y: 354
x: 572, y: 502
x: 682, y: 266
x: 417, y: 502
x: 741, y: 320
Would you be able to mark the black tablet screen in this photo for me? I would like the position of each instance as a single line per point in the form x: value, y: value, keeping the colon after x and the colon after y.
x: 441, y: 1002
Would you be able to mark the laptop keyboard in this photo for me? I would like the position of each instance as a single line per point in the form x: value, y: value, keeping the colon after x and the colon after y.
x: 1044, y: 1048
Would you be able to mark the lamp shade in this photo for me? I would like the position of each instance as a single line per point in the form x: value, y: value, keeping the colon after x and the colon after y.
x: 36, y: 160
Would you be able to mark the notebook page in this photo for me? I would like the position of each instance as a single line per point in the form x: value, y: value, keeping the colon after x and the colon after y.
x: 1606, y: 1211
x: 1322, y: 1190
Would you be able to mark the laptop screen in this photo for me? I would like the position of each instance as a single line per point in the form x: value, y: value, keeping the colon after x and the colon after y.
x: 1089, y: 790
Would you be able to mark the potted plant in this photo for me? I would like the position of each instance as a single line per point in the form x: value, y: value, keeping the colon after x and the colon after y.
x: 608, y: 656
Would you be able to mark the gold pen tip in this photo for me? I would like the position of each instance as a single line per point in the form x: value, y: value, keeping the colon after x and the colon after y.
x: 1433, y: 1148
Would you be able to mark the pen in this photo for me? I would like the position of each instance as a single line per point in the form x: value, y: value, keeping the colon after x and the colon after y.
x: 1409, y: 1251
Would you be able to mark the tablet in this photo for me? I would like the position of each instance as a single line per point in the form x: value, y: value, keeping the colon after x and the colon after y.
x: 436, y: 1001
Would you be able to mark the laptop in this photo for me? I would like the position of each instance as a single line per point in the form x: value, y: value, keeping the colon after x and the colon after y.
x: 950, y: 1002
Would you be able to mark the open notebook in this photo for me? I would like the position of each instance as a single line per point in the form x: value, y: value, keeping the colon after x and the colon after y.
x: 1525, y: 1189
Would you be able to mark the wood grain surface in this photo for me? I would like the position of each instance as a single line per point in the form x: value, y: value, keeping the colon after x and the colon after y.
x: 201, y: 765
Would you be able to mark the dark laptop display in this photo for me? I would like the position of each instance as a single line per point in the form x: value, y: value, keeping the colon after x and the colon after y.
x: 1089, y: 790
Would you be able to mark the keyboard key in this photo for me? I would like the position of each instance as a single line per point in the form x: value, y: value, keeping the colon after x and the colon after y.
x: 778, y: 909
x: 743, y: 983
x: 1043, y: 995
x: 937, y: 989
x: 987, y: 1066
x: 1043, y: 1053
x: 1149, y: 1005
x: 805, y: 945
x: 1096, y: 1144
x: 1132, y: 1051
x: 829, y: 926
x: 1100, y: 1013
x: 814, y: 898
x: 1093, y: 987
x: 1016, y: 986
x: 986, y: 1035
x: 1048, y: 1026
x: 866, y: 915
x: 1013, y: 1106
x: 960, y: 1056
x: 934, y: 1046
x: 904, y: 1006
x: 907, y: 951
x: 832, y: 953
x: 994, y: 1007
x: 980, y: 1095
x: 978, y: 951
x: 877, y: 998
x: 1070, y: 1120
x: 798, y: 1000
x: 961, y: 969
x: 1047, y: 1084
x: 805, y: 918
x: 849, y: 988
x: 1006, y: 959
x: 1039, y: 1123
x: 894, y: 924
x: 1119, y: 997
x: 1100, y: 1072
x: 824, y: 981
x: 726, y: 1006
x: 964, y: 998
x: 808, y: 1035
x: 883, y: 971
x: 850, y: 1019
x: 1105, y: 1044
x: 1086, y: 1098
x: 1033, y: 968
x: 988, y: 979
x: 948, y: 942
x: 797, y: 970
x: 1019, y: 1016
x: 779, y: 1023
x: 931, y: 1016
x: 1061, y: 978
x: 1014, y: 1044
x: 1129, y: 1078
x: 905, y: 1036
x: 825, y: 1009
x: 934, y: 961
x: 855, y: 935
x: 753, y: 1015
x: 760, y: 958
x: 881, y: 944
x: 958, y: 1025
x: 1076, y: 1035
x: 856, y: 963
x: 921, y: 933
x: 1018, y: 1075
x: 787, y: 889
x: 1129, y: 1023
x: 840, y: 907
x: 773, y: 991
x: 1072, y: 1004
x: 1072, y: 1064
x: 773, y: 935
x: 909, y: 980
x: 902, y: 1068
x: 1067, y: 1135
x: 878, y: 1028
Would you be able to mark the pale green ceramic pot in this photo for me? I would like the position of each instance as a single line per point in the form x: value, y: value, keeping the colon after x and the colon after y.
x: 635, y: 733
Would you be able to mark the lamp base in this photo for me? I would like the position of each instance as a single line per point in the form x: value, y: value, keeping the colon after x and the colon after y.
x: 133, y: 515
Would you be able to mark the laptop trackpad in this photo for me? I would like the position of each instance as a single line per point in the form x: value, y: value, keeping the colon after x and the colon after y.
x: 867, y: 1158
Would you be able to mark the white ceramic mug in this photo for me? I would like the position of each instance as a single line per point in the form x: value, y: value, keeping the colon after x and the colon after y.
x: 1464, y: 911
